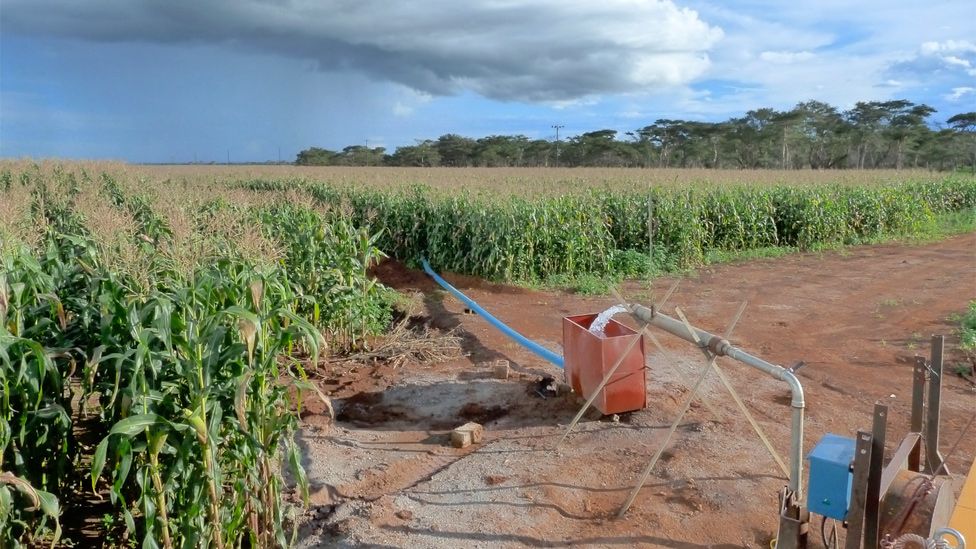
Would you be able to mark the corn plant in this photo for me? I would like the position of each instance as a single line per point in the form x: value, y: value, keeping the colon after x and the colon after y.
x: 35, y: 427
x: 202, y: 410
x: 327, y: 258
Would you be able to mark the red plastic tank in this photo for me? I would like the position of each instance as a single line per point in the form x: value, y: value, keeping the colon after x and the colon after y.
x: 587, y: 358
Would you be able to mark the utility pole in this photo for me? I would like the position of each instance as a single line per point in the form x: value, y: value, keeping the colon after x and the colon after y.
x: 279, y: 155
x: 367, y: 152
x: 557, y: 127
x: 228, y: 157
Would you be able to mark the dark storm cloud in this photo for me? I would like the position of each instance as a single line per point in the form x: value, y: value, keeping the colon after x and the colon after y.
x: 549, y: 50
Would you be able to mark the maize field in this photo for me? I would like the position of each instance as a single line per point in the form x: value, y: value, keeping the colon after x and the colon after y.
x: 186, y: 335
x: 607, y: 231
x: 183, y: 313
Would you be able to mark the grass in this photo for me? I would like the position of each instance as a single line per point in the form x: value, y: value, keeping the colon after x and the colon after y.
x: 766, y: 252
x: 967, y: 329
x: 967, y: 340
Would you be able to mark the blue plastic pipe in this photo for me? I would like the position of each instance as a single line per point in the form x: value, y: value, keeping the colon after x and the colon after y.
x: 517, y: 337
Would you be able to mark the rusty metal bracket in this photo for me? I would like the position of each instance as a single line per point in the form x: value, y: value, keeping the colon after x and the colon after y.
x: 901, y: 459
x: 794, y: 522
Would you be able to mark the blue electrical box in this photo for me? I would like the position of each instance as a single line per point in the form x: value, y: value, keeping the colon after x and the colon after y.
x: 829, y: 492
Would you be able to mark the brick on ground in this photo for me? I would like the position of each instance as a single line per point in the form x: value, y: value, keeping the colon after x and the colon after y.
x: 467, y: 434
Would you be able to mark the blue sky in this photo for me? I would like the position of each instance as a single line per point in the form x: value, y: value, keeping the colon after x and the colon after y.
x: 158, y: 81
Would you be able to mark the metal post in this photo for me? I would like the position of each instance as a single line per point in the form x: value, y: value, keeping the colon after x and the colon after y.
x: 794, y: 522
x: 796, y: 452
x: 933, y: 458
x: 918, y: 411
x: 859, y: 492
x: 878, y: 434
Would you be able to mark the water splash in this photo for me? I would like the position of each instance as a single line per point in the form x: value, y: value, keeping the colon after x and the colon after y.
x: 600, y: 322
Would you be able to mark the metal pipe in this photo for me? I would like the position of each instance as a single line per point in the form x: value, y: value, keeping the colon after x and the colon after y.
x: 519, y: 338
x: 722, y: 347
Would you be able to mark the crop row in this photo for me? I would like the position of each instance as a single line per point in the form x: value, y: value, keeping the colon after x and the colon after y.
x: 603, y: 231
x: 195, y: 375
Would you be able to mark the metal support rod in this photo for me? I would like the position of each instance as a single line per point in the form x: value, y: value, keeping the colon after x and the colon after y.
x: 933, y: 458
x: 721, y: 347
x: 735, y: 396
x: 918, y: 411
x: 879, y: 431
x: 684, y: 381
x: 859, y: 495
x: 650, y: 335
x: 710, y: 361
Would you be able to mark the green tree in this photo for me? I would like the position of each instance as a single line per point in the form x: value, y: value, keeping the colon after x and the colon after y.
x: 905, y: 125
x: 824, y: 132
x: 423, y: 154
x: 315, y: 156
x: 965, y: 123
x: 500, y: 150
x: 456, y: 150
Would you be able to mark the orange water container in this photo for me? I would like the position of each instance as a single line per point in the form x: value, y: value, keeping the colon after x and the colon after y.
x: 587, y: 358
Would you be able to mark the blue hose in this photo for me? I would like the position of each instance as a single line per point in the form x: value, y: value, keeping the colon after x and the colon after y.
x: 519, y: 338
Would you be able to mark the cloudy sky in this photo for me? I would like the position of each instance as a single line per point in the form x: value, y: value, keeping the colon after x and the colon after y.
x: 178, y: 80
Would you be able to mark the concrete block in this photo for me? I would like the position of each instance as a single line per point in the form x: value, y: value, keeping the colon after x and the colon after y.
x: 501, y: 369
x: 460, y: 439
x: 467, y: 434
x: 476, y: 430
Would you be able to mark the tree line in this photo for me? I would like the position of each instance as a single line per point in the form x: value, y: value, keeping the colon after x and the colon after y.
x: 812, y: 135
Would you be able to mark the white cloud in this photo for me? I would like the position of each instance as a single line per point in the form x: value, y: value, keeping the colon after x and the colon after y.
x: 785, y: 57
x: 949, y: 46
x: 548, y: 50
x: 958, y: 93
x: 939, y: 60
x: 777, y: 54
